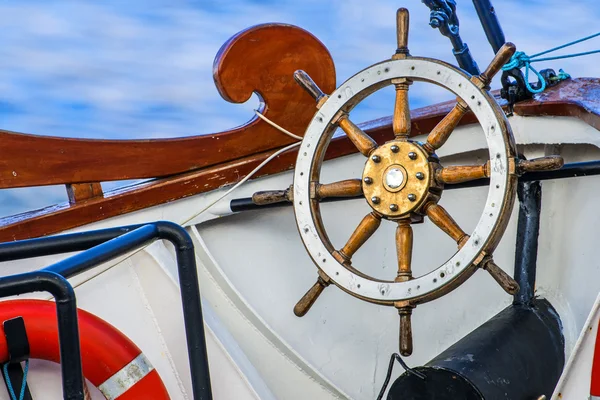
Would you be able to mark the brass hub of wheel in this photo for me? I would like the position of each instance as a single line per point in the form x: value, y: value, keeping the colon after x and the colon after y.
x: 403, y: 179
x: 397, y: 178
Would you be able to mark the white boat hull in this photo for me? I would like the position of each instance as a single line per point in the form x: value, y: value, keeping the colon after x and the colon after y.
x: 253, y: 268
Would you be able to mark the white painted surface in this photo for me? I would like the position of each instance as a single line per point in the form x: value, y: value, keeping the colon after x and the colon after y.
x: 138, y: 298
x: 253, y: 269
x: 347, y: 340
x: 341, y: 331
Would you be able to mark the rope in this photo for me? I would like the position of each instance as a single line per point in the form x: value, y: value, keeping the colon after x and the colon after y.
x: 237, y: 185
x: 274, y: 125
x: 520, y: 60
x: 13, y: 396
x: 561, y: 76
x: 255, y: 170
x: 86, y: 391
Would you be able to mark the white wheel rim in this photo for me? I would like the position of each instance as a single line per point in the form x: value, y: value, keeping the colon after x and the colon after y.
x: 361, y: 85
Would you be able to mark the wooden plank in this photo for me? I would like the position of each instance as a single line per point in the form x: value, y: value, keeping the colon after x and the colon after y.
x: 58, y: 218
x: 579, y: 98
x: 83, y: 191
x: 261, y: 59
x: 62, y: 217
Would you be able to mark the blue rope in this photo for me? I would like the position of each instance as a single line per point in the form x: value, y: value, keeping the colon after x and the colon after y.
x: 520, y: 60
x: 13, y: 396
x: 567, y: 45
x: 561, y: 76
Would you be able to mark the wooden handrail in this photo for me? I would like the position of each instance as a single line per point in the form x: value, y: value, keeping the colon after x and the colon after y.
x: 248, y: 63
x: 261, y: 59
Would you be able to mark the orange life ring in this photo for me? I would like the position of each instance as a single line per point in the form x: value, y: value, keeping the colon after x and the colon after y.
x: 107, y: 355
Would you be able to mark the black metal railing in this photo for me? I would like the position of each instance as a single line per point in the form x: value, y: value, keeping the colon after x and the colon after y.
x: 98, y: 247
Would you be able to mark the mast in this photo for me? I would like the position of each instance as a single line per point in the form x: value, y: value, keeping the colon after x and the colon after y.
x: 490, y: 23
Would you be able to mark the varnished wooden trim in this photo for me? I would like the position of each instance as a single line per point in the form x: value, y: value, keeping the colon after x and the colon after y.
x: 250, y: 62
x: 83, y: 191
x: 62, y: 217
x: 576, y: 101
x: 576, y: 98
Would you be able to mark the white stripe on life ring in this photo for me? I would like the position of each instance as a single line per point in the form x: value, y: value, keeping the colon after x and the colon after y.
x: 128, y: 376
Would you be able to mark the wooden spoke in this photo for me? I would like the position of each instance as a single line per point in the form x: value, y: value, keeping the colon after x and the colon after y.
x: 402, y: 23
x: 462, y: 173
x: 401, y: 119
x: 310, y: 86
x: 500, y: 59
x: 445, y: 127
x: 404, y: 244
x: 347, y: 188
x: 440, y: 134
x: 361, y: 234
x: 307, y: 301
x: 273, y: 196
x: 363, y: 142
x: 406, y: 341
x: 505, y: 281
x: 548, y: 163
x: 439, y: 216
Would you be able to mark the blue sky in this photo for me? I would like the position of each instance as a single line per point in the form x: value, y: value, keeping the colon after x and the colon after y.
x: 143, y: 68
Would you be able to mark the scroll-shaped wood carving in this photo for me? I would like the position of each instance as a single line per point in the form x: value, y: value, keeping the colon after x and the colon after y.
x: 261, y: 59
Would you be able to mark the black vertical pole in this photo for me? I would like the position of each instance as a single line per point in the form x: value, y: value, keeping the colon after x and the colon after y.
x: 489, y: 21
x: 528, y: 230
x: 192, y: 307
x: 68, y: 329
x: 109, y: 243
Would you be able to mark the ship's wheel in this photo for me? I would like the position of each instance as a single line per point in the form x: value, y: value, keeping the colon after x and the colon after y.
x: 403, y: 181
